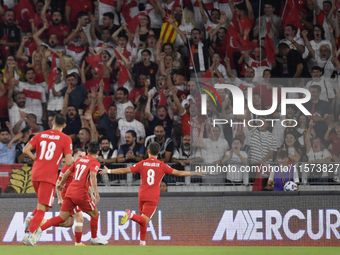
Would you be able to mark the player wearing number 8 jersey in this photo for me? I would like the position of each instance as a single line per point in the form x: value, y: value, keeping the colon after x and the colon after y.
x: 50, y: 146
x: 151, y: 171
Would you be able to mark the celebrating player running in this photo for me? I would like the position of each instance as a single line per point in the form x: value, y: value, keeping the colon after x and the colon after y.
x: 151, y: 171
x: 85, y: 173
x: 50, y: 147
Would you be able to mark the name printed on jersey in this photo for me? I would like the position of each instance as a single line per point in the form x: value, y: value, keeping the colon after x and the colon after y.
x: 84, y: 160
x: 151, y: 164
x: 53, y: 137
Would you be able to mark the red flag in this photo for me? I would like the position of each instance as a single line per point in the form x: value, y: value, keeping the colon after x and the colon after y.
x: 123, y: 72
x: 23, y: 13
x: 293, y: 17
x: 133, y: 23
x: 235, y: 42
x: 162, y: 101
x: 53, y: 73
x: 96, y: 62
x: 270, y: 50
x: 234, y: 23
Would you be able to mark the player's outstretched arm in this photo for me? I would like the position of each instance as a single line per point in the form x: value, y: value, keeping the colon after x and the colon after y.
x: 60, y: 185
x: 115, y: 171
x: 28, y: 151
x: 187, y: 173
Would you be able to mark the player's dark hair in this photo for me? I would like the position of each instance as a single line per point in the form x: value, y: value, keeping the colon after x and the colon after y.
x: 93, y: 147
x: 317, y: 87
x: 78, y: 149
x: 110, y: 15
x: 125, y: 91
x: 282, y: 154
x: 59, y: 119
x: 154, y: 148
x: 132, y: 132
x: 29, y: 69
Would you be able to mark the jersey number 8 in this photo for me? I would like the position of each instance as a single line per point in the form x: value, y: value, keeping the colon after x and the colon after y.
x: 151, y: 177
x: 50, y: 150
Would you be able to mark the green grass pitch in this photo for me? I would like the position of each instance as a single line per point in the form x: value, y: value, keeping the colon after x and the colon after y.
x: 165, y: 250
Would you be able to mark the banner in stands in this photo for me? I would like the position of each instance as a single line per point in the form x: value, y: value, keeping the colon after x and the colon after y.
x: 17, y: 176
x: 228, y: 220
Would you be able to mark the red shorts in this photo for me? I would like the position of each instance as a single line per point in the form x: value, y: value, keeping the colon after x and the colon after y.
x: 85, y: 205
x: 45, y: 192
x: 75, y: 209
x: 148, y: 208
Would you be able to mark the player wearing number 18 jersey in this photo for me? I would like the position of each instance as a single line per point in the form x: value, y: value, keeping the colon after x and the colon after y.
x: 151, y: 171
x: 50, y: 146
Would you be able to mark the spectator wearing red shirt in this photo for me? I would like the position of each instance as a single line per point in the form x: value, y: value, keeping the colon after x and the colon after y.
x: 244, y: 21
x: 56, y: 27
x: 142, y: 89
x: 72, y: 9
x: 96, y: 78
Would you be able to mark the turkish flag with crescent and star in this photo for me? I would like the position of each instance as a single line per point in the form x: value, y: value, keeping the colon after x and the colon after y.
x: 96, y: 62
x: 235, y: 42
x: 53, y: 73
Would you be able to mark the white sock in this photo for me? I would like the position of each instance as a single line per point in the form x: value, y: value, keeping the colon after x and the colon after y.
x: 131, y: 215
x: 142, y: 242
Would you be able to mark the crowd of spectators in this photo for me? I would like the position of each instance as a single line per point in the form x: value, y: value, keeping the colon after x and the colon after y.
x: 146, y: 86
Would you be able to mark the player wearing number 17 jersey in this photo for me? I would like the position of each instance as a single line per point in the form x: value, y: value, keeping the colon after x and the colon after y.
x: 85, y: 173
x: 50, y: 147
x: 151, y: 172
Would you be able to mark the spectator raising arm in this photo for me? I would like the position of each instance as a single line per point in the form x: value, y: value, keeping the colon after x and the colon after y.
x: 171, y: 20
x: 158, y: 7
x: 20, y: 54
x: 67, y: 95
x: 39, y: 33
x: 178, y: 104
x: 93, y: 28
x: 200, y: 143
x: 88, y: 117
x: 308, y: 45
x: 202, y: 11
